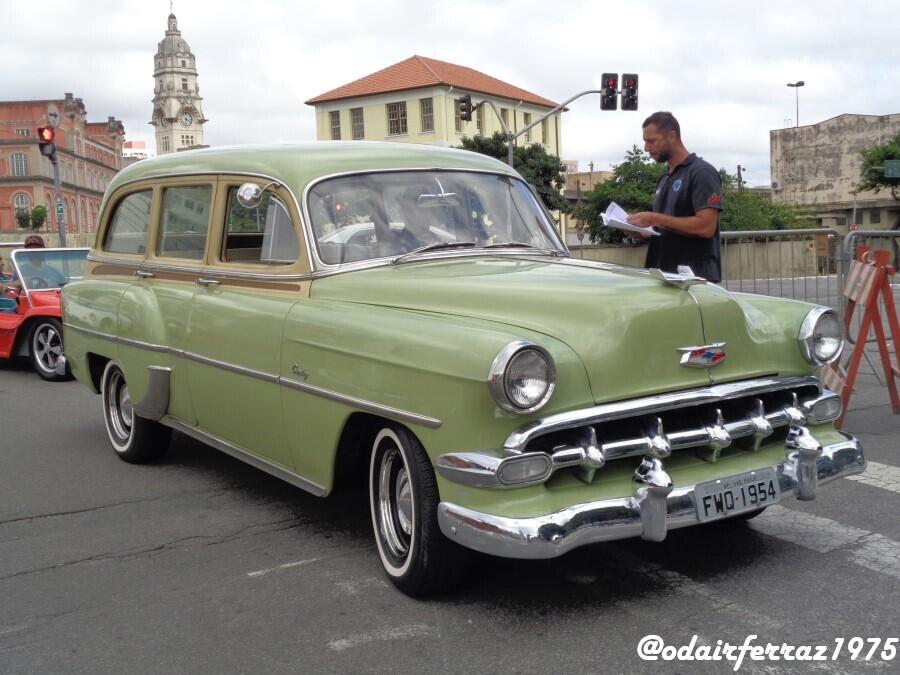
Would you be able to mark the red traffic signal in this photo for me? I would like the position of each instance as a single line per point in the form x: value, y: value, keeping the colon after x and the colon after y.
x: 45, y: 139
x: 609, y: 97
x: 630, y: 91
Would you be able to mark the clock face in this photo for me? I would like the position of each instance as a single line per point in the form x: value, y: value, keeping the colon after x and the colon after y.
x: 163, y: 122
x: 187, y: 119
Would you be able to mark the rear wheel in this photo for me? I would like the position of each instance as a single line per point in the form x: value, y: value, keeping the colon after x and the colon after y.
x: 134, y: 438
x: 403, y: 499
x: 45, y: 346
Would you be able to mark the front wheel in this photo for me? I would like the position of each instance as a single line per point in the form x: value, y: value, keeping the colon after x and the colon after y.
x: 134, y: 438
x: 45, y: 346
x: 403, y: 499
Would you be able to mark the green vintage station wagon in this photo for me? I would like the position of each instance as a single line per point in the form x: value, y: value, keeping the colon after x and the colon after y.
x: 409, y: 315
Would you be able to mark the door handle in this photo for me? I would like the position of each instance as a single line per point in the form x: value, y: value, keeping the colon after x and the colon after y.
x: 143, y: 274
x: 208, y: 282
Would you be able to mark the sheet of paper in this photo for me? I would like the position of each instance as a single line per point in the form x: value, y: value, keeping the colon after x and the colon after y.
x: 616, y: 216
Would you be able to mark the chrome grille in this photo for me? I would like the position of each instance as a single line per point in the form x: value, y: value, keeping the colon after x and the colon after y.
x: 743, y: 415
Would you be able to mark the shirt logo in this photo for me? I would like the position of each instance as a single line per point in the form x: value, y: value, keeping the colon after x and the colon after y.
x: 714, y: 199
x: 706, y: 356
x: 676, y: 185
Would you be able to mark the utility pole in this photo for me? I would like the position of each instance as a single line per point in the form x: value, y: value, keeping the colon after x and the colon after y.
x: 740, y: 180
x: 46, y: 139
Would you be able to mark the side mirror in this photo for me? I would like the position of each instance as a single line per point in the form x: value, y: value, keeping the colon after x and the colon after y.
x: 249, y: 195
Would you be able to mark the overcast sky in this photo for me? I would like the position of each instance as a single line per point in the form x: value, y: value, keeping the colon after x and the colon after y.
x: 720, y: 67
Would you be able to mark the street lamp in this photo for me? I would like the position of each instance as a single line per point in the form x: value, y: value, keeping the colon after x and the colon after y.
x: 796, y: 86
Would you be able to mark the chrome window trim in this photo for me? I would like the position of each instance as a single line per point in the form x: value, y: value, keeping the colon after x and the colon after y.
x: 246, y: 456
x: 807, y: 328
x: 517, y: 441
x: 325, y: 268
x: 304, y: 228
x: 352, y: 401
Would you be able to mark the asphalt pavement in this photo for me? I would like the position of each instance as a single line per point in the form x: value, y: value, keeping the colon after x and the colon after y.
x: 200, y: 564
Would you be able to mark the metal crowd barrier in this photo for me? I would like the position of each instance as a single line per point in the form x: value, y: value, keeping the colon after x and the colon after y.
x: 799, y: 264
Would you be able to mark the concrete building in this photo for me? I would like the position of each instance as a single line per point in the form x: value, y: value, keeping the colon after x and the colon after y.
x: 818, y: 166
x: 414, y: 101
x: 90, y: 154
x: 578, y: 185
x: 177, y: 104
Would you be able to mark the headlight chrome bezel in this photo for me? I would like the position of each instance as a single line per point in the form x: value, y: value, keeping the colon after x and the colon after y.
x: 807, y: 336
x: 497, y: 378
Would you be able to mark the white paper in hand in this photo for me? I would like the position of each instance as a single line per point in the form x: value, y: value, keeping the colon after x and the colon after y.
x: 616, y: 216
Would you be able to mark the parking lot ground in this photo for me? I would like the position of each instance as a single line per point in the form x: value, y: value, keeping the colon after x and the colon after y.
x: 200, y: 564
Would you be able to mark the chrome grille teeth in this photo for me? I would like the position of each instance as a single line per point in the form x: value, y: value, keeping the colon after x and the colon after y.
x: 719, y: 438
x: 762, y: 428
x: 657, y: 441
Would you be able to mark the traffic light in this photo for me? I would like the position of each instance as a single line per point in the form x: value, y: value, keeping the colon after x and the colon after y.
x: 629, y: 91
x: 464, y: 106
x: 45, y: 138
x: 609, y: 98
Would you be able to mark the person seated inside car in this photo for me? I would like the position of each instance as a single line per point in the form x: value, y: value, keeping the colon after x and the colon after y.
x: 36, y: 273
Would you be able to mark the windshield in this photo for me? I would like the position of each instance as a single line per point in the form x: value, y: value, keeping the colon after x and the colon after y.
x: 41, y: 269
x: 379, y: 215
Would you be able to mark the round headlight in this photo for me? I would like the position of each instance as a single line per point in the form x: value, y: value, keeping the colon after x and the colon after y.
x: 522, y: 377
x: 821, y: 336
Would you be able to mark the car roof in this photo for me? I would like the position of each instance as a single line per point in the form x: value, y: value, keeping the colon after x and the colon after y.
x: 297, y: 164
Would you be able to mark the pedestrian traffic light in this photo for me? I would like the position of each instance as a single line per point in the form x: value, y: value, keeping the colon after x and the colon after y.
x: 464, y: 106
x: 45, y: 138
x: 629, y: 91
x: 609, y: 97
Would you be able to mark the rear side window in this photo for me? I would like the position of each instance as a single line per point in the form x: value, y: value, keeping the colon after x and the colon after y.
x: 184, y: 221
x: 263, y: 235
x: 127, y: 231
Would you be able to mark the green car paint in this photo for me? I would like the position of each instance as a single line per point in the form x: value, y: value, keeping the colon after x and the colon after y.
x: 249, y: 363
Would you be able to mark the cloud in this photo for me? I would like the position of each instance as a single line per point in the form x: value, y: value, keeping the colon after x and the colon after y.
x: 720, y: 67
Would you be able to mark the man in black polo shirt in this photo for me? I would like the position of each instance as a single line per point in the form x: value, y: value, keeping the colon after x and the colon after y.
x: 686, y: 207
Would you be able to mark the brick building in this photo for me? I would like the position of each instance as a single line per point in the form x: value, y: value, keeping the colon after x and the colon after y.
x: 90, y: 154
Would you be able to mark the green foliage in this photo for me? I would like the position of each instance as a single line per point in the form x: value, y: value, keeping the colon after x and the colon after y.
x: 543, y: 170
x: 745, y: 210
x: 872, y: 176
x: 632, y: 187
x: 38, y: 216
x: 23, y: 219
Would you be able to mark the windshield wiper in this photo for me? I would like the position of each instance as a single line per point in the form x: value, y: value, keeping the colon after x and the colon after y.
x: 520, y: 244
x: 433, y: 247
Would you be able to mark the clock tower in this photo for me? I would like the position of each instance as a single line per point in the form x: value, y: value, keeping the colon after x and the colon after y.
x: 177, y: 112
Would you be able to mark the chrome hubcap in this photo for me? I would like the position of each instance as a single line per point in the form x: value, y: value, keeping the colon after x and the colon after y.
x: 395, y: 507
x: 47, y: 347
x: 119, y: 408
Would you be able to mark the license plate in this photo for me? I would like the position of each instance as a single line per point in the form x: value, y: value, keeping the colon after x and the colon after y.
x: 736, y: 494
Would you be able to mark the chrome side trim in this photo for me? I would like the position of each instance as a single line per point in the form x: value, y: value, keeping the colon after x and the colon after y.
x: 518, y: 440
x: 368, y: 406
x: 155, y: 403
x: 141, y: 267
x: 230, y: 367
x: 352, y: 401
x: 553, y: 534
x: 243, y: 455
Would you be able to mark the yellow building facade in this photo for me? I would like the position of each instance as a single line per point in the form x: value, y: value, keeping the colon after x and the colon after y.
x: 415, y: 101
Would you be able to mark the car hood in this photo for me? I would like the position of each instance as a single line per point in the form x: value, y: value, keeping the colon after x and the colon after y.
x: 625, y: 325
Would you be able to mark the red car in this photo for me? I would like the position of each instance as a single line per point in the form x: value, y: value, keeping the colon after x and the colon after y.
x: 30, y: 318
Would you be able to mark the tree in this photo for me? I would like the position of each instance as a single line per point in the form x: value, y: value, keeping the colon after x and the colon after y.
x: 23, y: 219
x: 38, y: 216
x: 872, y: 176
x: 632, y: 187
x: 541, y: 169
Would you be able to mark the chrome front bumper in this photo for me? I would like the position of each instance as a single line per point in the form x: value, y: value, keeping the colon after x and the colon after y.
x: 655, y: 507
x: 60, y: 368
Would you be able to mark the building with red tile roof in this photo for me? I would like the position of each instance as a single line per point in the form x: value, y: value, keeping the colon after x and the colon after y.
x: 415, y: 101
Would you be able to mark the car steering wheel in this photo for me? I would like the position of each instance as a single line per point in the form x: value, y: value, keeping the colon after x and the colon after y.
x: 38, y: 282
